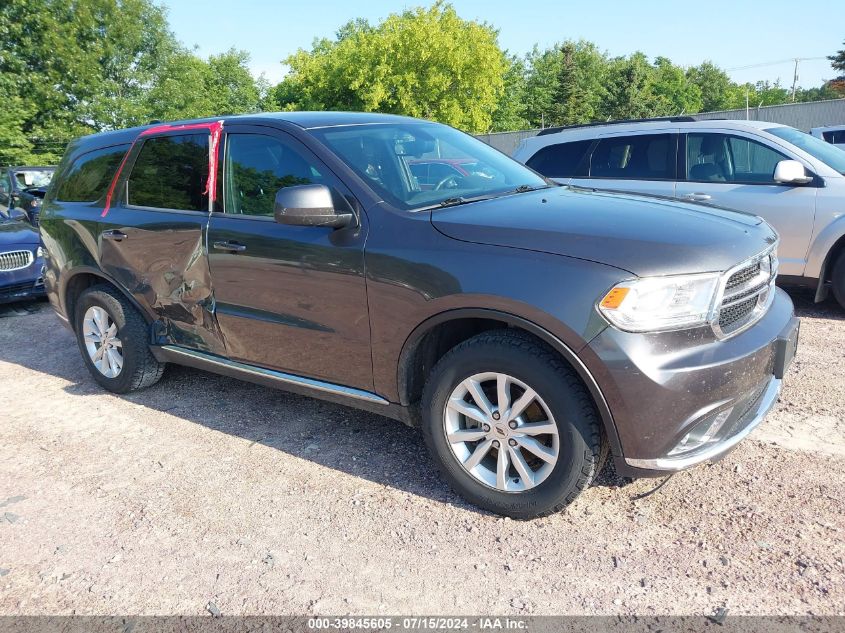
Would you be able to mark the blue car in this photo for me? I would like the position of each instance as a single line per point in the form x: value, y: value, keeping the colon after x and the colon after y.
x: 21, y: 260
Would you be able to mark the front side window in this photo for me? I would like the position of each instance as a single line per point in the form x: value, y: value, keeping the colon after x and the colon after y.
x: 396, y: 160
x: 171, y: 173
x: 90, y: 175
x: 727, y: 158
x: 561, y: 160
x: 641, y: 157
x: 257, y: 166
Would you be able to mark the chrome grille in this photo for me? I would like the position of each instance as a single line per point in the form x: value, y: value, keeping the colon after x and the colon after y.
x: 15, y: 260
x: 747, y: 292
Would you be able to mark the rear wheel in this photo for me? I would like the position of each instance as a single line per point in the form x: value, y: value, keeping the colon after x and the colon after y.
x: 510, y: 425
x: 838, y: 279
x: 113, y: 338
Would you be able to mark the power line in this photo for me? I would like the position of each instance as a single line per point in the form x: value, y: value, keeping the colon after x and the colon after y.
x: 779, y: 62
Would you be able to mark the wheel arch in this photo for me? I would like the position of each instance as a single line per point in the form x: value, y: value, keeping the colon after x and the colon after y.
x: 411, y: 369
x: 86, y: 277
x: 825, y: 249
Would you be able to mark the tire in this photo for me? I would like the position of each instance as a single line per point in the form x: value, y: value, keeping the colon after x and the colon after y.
x: 139, y: 367
x: 838, y: 279
x: 525, y: 362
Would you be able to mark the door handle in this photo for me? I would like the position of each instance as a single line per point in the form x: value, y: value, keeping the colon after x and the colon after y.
x: 232, y: 247
x: 697, y: 197
x: 117, y: 236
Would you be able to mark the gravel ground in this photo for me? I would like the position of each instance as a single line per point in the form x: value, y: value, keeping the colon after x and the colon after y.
x: 204, y: 494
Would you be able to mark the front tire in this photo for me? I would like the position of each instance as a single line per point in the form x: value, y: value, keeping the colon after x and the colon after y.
x: 838, y: 279
x: 113, y: 338
x: 510, y: 425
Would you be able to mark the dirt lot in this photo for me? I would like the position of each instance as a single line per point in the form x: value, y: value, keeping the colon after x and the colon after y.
x: 208, y: 490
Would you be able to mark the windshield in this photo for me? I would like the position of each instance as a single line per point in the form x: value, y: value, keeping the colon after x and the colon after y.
x: 33, y: 177
x: 825, y: 152
x: 419, y: 165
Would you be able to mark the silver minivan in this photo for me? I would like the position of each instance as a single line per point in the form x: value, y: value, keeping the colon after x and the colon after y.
x: 793, y: 180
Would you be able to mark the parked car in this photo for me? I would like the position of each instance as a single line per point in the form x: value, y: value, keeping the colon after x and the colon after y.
x: 529, y: 328
x: 443, y: 173
x: 24, y: 188
x: 21, y: 259
x: 793, y: 180
x: 833, y: 134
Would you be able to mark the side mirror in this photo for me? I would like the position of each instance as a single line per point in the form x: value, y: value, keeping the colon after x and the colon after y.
x: 791, y: 172
x: 18, y: 214
x: 312, y: 205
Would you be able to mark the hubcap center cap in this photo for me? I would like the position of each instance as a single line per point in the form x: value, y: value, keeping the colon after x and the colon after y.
x: 501, y: 430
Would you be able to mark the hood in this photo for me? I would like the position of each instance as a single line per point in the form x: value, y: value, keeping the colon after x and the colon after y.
x: 640, y: 234
x: 14, y: 233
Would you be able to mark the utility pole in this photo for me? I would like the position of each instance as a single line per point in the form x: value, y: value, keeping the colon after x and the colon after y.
x: 795, y: 80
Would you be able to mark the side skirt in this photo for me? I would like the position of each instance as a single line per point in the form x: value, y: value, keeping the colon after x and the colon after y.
x: 310, y: 387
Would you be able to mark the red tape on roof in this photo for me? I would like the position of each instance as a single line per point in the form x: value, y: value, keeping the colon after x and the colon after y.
x: 215, y: 129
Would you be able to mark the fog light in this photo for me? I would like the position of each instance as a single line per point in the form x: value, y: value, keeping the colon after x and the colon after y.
x: 702, y: 433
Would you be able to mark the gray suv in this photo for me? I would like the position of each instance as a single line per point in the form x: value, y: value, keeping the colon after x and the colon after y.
x: 527, y: 328
x: 791, y: 179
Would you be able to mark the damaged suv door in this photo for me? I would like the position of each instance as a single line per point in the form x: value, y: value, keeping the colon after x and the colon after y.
x: 153, y: 244
x: 287, y: 297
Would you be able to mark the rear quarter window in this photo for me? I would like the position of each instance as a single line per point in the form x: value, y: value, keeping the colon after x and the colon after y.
x: 90, y: 175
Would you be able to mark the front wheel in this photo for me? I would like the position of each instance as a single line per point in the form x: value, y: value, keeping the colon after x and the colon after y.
x: 114, y: 341
x: 838, y: 279
x: 511, y: 426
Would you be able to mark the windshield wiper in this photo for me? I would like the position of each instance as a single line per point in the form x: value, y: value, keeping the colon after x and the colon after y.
x: 526, y: 188
x: 452, y: 202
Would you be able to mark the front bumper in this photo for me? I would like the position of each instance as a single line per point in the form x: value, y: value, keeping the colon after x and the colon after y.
x: 23, y: 284
x: 682, y: 398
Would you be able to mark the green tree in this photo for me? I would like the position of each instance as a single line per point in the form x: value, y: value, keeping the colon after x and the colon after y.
x: 672, y: 92
x: 71, y: 67
x: 629, y: 88
x: 565, y: 84
x: 425, y: 62
x: 510, y: 112
x: 837, y: 60
x: 715, y: 86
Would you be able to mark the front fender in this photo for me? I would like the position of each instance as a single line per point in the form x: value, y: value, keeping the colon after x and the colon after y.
x: 819, y: 258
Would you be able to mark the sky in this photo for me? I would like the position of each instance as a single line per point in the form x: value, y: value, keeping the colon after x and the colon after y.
x: 733, y: 34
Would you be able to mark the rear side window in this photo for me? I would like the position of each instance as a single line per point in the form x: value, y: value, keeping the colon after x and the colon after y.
x: 564, y: 160
x: 170, y: 173
x: 836, y: 136
x: 641, y: 157
x: 90, y: 175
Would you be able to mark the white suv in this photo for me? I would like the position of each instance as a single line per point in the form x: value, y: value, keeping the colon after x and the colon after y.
x: 834, y: 134
x: 792, y: 179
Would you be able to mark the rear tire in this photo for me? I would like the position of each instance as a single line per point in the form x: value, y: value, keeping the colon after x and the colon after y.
x: 838, y: 279
x: 132, y: 365
x: 572, y: 451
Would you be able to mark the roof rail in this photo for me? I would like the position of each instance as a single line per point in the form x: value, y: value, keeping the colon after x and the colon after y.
x: 670, y: 119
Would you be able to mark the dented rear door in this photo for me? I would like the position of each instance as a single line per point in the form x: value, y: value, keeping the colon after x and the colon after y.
x: 152, y: 238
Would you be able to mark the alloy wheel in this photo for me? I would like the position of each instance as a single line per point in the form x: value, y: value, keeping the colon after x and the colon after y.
x: 501, y: 432
x: 102, y: 342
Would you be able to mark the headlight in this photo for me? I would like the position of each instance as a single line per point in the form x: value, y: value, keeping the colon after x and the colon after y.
x: 40, y: 251
x: 661, y: 303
